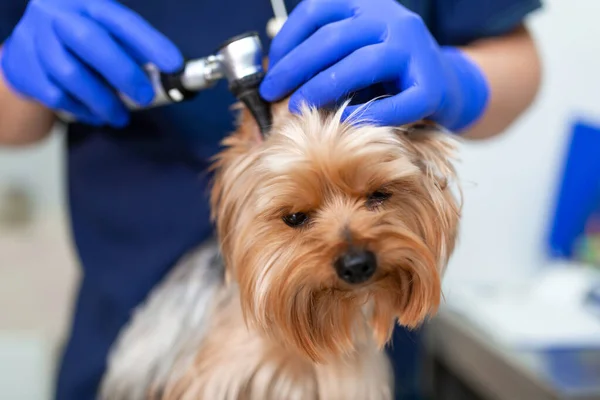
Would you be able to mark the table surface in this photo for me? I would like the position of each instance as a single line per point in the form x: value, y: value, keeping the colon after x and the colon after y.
x: 505, y: 374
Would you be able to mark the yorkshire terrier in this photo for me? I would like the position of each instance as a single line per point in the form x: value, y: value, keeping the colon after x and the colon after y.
x: 328, y: 233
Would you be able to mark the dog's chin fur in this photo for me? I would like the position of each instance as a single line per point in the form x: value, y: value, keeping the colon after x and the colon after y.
x: 280, y: 323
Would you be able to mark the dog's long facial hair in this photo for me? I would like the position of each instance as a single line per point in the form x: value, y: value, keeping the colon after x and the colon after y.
x: 330, y: 232
x: 297, y: 211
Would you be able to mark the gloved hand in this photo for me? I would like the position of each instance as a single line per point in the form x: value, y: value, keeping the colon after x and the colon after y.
x: 328, y: 49
x: 74, y: 55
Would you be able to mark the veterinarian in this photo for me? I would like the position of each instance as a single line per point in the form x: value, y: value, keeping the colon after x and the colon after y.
x: 136, y: 188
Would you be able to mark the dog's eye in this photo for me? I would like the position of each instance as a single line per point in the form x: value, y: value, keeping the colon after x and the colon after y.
x: 295, y: 220
x: 377, y: 197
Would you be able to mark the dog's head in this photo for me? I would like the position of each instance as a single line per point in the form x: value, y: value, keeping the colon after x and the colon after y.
x: 330, y: 228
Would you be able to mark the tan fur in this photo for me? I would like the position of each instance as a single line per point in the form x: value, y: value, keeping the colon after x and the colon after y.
x: 315, y: 164
x: 240, y: 364
x: 283, y: 325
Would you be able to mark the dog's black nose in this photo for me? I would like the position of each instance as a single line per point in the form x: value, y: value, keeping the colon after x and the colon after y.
x: 356, y: 266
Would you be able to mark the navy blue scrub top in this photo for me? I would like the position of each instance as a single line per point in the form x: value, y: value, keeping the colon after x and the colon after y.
x: 137, y: 196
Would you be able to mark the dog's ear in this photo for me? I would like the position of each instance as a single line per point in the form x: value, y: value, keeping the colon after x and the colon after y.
x: 247, y: 128
x: 238, y: 148
x: 434, y: 151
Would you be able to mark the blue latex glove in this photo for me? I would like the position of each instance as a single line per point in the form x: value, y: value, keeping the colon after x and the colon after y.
x: 328, y: 49
x: 74, y: 55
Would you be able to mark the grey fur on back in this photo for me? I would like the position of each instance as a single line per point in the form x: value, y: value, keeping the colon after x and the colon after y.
x: 164, y: 333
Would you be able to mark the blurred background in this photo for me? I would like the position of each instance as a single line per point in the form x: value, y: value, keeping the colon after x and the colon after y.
x: 521, y: 319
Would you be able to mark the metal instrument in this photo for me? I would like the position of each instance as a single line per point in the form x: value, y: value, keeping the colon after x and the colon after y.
x: 238, y: 60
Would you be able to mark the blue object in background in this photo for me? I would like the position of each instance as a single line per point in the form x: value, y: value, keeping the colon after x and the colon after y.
x: 579, y: 192
x: 573, y: 371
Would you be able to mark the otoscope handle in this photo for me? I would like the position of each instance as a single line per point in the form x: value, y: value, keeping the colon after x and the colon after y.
x: 195, y: 76
x: 168, y: 88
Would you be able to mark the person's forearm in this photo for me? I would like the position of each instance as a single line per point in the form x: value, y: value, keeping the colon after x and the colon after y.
x: 21, y: 121
x: 512, y: 67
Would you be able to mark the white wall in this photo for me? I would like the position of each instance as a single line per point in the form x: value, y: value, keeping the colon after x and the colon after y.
x: 510, y: 182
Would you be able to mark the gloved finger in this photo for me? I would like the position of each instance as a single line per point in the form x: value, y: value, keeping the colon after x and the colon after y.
x: 406, y: 107
x: 92, y: 44
x: 136, y: 34
x: 324, y: 48
x: 81, y: 83
x: 420, y: 96
x: 361, y: 69
x: 425, y: 71
x: 303, y: 21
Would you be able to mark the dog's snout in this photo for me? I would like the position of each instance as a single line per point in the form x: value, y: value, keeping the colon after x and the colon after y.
x: 356, y: 266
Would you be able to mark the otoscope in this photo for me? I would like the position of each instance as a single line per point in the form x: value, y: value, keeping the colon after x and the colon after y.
x: 238, y: 60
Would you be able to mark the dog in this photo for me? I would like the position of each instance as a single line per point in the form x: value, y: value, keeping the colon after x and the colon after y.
x: 328, y: 233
